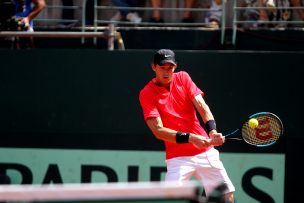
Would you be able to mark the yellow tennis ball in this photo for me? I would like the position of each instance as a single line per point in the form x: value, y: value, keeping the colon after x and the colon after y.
x: 253, y: 123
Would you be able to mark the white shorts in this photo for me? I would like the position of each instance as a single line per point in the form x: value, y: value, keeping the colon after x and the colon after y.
x: 206, y: 167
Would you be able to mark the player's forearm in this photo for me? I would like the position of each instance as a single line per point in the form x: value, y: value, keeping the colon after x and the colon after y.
x: 206, y: 113
x: 170, y: 135
x: 203, y: 108
x: 165, y: 134
x: 159, y: 131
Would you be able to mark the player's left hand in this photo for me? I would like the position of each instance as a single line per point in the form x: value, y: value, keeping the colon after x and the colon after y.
x: 217, y: 139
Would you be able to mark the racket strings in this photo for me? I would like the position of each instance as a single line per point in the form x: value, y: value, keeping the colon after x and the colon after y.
x: 268, y: 131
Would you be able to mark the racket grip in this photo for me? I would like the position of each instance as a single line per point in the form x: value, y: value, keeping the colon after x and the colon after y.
x: 232, y: 133
x: 233, y: 138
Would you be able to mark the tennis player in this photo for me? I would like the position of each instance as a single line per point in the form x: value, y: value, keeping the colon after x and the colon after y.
x: 169, y: 103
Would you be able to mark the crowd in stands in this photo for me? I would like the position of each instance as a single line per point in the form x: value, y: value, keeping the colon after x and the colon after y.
x: 212, y: 17
x: 256, y: 10
x: 68, y: 14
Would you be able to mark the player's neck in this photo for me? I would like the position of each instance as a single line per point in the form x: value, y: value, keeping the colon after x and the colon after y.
x: 167, y: 86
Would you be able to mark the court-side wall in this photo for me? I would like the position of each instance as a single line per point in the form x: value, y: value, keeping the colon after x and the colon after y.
x: 88, y: 100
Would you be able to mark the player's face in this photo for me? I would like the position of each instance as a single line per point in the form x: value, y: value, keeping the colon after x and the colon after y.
x: 164, y: 73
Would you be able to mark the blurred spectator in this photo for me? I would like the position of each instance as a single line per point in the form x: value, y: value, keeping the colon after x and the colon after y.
x: 264, y: 14
x: 18, y: 15
x: 27, y: 10
x: 126, y: 14
x: 298, y: 3
x: 254, y: 14
x: 282, y: 13
x: 214, y: 15
x: 157, y: 17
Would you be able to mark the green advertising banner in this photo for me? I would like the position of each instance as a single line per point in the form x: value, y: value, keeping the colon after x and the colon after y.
x: 257, y: 177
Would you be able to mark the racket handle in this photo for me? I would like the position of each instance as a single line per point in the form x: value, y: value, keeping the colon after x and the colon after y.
x: 232, y: 133
x: 233, y: 138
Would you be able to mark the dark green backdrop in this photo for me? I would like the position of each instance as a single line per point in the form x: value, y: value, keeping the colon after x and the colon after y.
x: 91, y: 91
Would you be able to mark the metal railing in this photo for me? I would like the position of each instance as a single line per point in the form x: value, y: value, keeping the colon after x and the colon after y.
x: 110, y: 28
x: 110, y: 36
x: 163, y: 25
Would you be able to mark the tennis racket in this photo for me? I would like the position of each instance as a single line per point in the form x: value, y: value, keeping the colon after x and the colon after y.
x: 268, y: 131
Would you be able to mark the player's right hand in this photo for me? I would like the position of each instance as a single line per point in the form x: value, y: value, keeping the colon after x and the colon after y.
x: 217, y: 139
x: 200, y: 141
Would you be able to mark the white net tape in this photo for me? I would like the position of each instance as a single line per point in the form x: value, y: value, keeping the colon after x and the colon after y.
x: 93, y: 191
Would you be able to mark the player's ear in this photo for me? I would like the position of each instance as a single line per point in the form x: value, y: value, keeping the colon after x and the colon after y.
x: 175, y: 67
x: 153, y: 66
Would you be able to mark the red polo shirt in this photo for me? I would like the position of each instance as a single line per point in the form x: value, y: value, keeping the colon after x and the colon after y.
x: 176, y: 110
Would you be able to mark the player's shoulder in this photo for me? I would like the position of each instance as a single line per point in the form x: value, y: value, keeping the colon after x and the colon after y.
x: 182, y: 75
x: 147, y: 94
x: 147, y: 89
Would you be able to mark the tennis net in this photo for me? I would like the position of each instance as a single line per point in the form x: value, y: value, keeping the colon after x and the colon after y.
x: 100, y: 192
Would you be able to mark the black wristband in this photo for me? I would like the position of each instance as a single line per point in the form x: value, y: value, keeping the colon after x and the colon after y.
x: 210, y: 125
x: 182, y: 137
